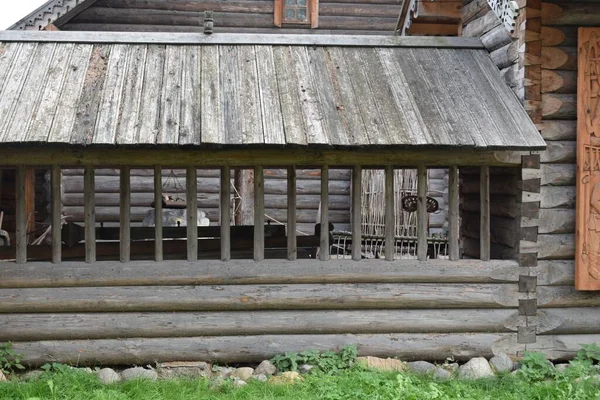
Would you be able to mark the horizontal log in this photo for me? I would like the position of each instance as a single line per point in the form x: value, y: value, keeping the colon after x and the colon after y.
x: 552, y: 247
x: 559, y: 36
x: 566, y: 296
x: 26, y: 327
x: 471, y: 248
x: 240, y: 272
x: 577, y: 320
x: 564, y: 58
x: 557, y: 221
x: 557, y: 197
x: 505, y: 185
x: 496, y: 38
x: 253, y: 297
x: 506, y: 56
x: 500, y: 206
x: 503, y: 230
x: 481, y: 25
x: 558, y: 130
x: 561, y: 347
x: 554, y: 273
x: 578, y: 13
x: 473, y: 9
x: 246, y: 349
x: 559, y: 152
x: 558, y: 81
x: 559, y: 106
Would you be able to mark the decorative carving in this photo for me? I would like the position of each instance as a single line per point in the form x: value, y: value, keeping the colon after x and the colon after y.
x: 588, y: 161
x: 507, y: 11
x: 48, y: 14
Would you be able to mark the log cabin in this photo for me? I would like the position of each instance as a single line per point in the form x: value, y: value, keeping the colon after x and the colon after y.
x: 163, y: 89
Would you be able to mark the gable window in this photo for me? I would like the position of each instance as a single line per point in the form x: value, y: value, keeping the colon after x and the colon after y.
x: 292, y: 12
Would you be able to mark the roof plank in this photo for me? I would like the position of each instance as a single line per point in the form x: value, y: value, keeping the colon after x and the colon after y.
x: 231, y: 81
x: 151, y: 95
x: 168, y: 132
x: 269, y: 96
x: 129, y: 123
x: 190, y: 125
x: 211, y: 107
x: 248, y: 94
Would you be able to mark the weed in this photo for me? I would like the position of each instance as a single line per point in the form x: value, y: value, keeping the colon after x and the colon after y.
x: 327, y: 362
x: 9, y: 359
x: 535, y: 367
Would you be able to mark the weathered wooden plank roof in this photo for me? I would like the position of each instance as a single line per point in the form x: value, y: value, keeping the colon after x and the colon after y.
x: 404, y: 93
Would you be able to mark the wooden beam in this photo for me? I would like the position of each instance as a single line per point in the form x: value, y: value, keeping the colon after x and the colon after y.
x: 422, y: 216
x: 324, y: 234
x: 21, y: 215
x: 259, y: 214
x: 278, y: 13
x: 292, y: 248
x: 125, y: 214
x: 390, y: 217
x: 56, y: 213
x: 484, y: 209
x: 90, y: 214
x: 314, y: 13
x: 158, y: 214
x: 356, y: 213
x: 225, y: 213
x: 453, y: 214
x: 191, y: 195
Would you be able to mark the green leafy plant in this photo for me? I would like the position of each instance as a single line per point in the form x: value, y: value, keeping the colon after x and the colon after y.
x: 589, y: 352
x: 9, y: 359
x: 55, y: 367
x: 327, y: 361
x: 535, y: 367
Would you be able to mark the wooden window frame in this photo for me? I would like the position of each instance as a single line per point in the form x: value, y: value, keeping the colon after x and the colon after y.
x: 313, y: 14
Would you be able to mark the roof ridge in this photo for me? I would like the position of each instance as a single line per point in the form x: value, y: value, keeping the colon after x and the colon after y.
x: 48, y: 13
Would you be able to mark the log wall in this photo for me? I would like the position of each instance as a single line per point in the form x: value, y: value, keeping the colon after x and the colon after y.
x: 242, y: 311
x: 245, y: 16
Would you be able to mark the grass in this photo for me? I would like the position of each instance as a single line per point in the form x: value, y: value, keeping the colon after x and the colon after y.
x: 355, y: 384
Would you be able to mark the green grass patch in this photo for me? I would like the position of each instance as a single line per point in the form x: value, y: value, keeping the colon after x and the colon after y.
x: 355, y: 383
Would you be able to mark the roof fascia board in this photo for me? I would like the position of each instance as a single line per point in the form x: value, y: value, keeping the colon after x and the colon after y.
x: 52, y: 12
x: 240, y: 39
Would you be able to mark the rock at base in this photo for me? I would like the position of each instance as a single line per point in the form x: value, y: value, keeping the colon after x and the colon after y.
x: 237, y: 382
x: 441, y: 374
x: 384, y: 364
x: 3, y: 377
x: 265, y: 368
x: 502, y: 364
x: 243, y: 373
x: 305, y: 369
x: 32, y: 375
x: 138, y: 373
x: 421, y: 367
x: 288, y: 377
x: 476, y: 368
x: 184, y: 369
x: 108, y: 376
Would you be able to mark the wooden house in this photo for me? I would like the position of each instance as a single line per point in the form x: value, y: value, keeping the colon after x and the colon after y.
x: 145, y: 100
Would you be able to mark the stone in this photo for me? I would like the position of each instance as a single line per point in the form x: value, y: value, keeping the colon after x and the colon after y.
x: 501, y: 363
x: 384, y: 364
x: 260, y: 377
x: 305, y: 369
x: 452, y: 367
x: 476, y: 368
x: 421, y: 367
x: 184, y: 369
x: 222, y: 372
x: 108, y: 376
x: 441, y: 374
x: 216, y: 383
x: 237, y: 382
x: 87, y: 370
x: 243, y: 373
x: 286, y: 378
x: 3, y: 377
x: 138, y: 373
x: 32, y: 375
x: 562, y: 367
x: 265, y: 368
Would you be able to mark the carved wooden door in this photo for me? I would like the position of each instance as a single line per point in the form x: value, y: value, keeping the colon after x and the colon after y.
x: 587, y: 255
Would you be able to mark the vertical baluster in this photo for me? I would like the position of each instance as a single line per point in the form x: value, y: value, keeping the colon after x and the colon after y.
x: 356, y: 212
x: 422, y: 213
x: 191, y: 193
x: 125, y: 214
x: 225, y: 199
x: 484, y: 193
x: 56, y: 206
x: 453, y: 227
x: 21, y: 215
x: 390, y: 217
x: 292, y: 248
x: 324, y: 234
x: 259, y: 214
x: 89, y: 202
x: 158, y: 214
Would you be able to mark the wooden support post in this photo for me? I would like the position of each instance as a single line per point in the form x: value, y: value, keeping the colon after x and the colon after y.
x: 21, y: 215
x: 292, y: 247
x: 324, y: 234
x: 89, y: 203
x: 422, y: 213
x: 484, y: 234
x: 191, y: 194
x: 125, y: 215
x: 356, y: 213
x: 158, y: 214
x: 390, y: 217
x: 453, y: 227
x: 225, y: 213
x: 259, y: 214
x: 56, y: 207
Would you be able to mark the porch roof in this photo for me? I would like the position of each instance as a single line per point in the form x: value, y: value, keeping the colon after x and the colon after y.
x: 231, y: 91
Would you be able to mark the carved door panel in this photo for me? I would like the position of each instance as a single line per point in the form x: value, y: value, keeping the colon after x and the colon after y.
x: 587, y: 255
